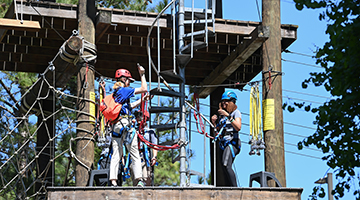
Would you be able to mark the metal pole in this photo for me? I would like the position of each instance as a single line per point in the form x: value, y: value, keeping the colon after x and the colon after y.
x: 182, y: 98
x: 330, y: 185
x: 204, y: 154
x: 214, y: 164
x: 182, y: 131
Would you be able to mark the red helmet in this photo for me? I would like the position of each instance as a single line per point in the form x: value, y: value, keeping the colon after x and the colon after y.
x: 123, y: 72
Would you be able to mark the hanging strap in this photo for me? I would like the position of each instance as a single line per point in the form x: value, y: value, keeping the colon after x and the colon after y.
x: 146, y: 155
x: 126, y: 167
x: 221, y: 124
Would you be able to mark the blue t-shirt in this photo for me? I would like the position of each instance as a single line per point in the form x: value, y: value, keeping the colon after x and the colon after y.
x: 122, y: 95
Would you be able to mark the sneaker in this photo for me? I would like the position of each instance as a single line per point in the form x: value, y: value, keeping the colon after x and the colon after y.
x: 113, y: 183
x: 140, y: 184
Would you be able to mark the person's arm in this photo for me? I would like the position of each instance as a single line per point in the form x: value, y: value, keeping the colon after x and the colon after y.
x: 143, y: 87
x: 153, y: 138
x: 236, y: 123
x: 213, y: 120
x: 136, y: 103
x: 154, y: 158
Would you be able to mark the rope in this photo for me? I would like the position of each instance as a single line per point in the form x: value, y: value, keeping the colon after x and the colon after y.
x: 256, y: 138
x: 255, y: 113
x: 100, y: 118
x: 156, y: 146
x: 198, y: 117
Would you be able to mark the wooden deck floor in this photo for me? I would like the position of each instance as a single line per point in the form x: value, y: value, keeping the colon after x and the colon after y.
x: 154, y: 193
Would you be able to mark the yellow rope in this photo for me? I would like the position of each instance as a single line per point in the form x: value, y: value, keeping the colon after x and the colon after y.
x: 255, y: 114
x: 102, y: 122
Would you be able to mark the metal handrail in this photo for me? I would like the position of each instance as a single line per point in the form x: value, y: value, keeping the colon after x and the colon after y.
x: 148, y: 45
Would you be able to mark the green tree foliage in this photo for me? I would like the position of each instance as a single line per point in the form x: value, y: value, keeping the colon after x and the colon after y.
x: 12, y: 87
x: 158, y: 8
x: 337, y: 120
x: 4, y: 5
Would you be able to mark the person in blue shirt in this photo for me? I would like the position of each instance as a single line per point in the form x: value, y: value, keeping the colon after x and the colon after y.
x: 123, y: 130
x: 229, y: 121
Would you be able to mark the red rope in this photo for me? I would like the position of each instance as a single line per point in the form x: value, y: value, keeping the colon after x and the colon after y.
x: 142, y: 109
x: 156, y: 146
x: 86, y: 74
x: 197, y: 116
x: 269, y: 79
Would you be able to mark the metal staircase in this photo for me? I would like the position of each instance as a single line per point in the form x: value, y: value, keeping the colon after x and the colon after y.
x: 192, y: 28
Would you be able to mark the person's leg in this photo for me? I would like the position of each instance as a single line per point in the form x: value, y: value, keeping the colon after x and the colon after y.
x: 227, y: 161
x: 145, y: 172
x: 136, y: 160
x: 115, y: 159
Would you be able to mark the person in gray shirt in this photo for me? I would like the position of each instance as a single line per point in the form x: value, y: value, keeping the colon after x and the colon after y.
x: 229, y: 123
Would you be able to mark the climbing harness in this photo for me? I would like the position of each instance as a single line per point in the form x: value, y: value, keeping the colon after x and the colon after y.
x: 256, y: 139
x: 221, y: 124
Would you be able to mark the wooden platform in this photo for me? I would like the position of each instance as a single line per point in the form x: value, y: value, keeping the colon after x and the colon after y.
x: 121, y: 35
x: 203, y: 193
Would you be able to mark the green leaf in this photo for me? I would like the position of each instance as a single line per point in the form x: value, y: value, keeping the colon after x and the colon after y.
x: 300, y: 145
x: 299, y: 6
x: 291, y: 109
x: 304, y: 85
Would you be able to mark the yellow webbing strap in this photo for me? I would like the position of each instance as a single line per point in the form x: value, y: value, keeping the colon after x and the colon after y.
x: 255, y: 113
x: 102, y: 94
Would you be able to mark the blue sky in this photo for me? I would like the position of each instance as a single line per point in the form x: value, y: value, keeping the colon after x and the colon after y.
x: 303, y: 167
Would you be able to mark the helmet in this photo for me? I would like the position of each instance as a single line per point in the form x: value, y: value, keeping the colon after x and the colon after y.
x: 228, y: 95
x: 123, y: 72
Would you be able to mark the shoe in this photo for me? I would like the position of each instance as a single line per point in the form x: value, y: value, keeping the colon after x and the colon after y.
x: 113, y: 184
x: 140, y: 184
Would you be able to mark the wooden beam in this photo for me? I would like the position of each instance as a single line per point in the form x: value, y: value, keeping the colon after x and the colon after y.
x: 172, y: 193
x: 119, y: 16
x: 103, y: 22
x: 137, y: 20
x: 24, y: 25
x: 234, y: 60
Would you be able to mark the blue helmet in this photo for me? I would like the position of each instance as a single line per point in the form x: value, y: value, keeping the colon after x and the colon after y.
x: 229, y: 95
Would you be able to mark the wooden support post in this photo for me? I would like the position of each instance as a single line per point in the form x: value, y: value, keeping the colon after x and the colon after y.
x: 272, y: 93
x: 64, y: 71
x: 218, y: 173
x: 218, y: 10
x: 85, y: 87
x: 45, y: 144
x: 103, y: 22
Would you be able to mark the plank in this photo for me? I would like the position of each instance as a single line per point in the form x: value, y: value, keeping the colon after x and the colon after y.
x: 191, y: 193
x: 14, y: 24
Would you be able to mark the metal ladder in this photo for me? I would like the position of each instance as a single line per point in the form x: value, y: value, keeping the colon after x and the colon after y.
x: 198, y: 22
